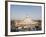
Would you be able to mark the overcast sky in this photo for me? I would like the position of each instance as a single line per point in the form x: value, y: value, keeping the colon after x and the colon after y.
x: 20, y: 11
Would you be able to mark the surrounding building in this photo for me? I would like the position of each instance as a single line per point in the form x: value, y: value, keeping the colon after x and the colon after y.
x: 27, y: 24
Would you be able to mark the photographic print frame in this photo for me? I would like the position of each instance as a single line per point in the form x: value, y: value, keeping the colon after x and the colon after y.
x: 7, y: 18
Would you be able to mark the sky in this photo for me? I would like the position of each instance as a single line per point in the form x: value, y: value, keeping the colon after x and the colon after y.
x: 21, y: 11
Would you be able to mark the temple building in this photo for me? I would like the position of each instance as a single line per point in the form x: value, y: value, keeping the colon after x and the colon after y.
x: 27, y: 22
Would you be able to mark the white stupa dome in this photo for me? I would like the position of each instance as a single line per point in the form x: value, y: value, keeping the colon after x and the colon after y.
x: 28, y: 20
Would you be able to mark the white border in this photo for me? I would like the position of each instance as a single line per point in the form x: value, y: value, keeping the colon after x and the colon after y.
x: 28, y: 32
